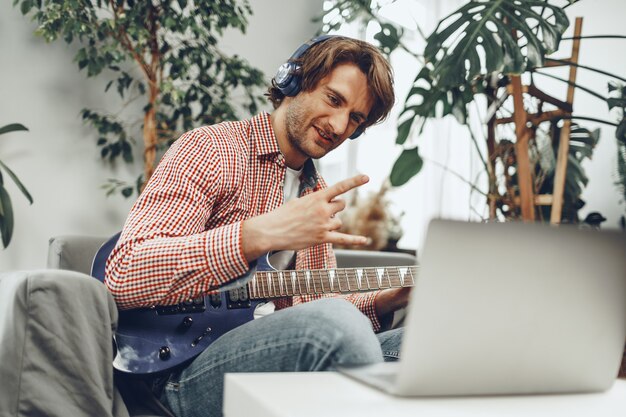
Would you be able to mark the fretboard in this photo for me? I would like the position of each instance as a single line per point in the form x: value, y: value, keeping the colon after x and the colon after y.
x: 276, y: 284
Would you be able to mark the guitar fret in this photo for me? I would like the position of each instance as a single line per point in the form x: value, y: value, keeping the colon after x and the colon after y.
x: 331, y: 279
x: 264, y: 286
x: 280, y: 281
x: 307, y: 281
x: 259, y: 285
x: 412, y: 278
x: 389, y: 278
x: 354, y: 280
x: 275, y: 285
x: 338, y: 280
x: 251, y: 286
x: 320, y: 281
x: 313, y: 286
x: 379, y: 277
x: 295, y: 276
x: 368, y: 280
x: 348, y: 278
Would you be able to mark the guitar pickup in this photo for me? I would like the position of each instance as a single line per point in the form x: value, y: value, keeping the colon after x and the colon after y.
x: 215, y: 299
x: 238, y: 298
x: 196, y: 305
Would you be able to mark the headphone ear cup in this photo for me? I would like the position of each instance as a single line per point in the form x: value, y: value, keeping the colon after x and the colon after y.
x: 287, y: 80
x: 293, y: 87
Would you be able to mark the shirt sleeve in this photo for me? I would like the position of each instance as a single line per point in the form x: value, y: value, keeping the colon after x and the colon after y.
x: 165, y: 255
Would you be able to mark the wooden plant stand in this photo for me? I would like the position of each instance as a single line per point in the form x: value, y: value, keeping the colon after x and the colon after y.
x: 525, y: 126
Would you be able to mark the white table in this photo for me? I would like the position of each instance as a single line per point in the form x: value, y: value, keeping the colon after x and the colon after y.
x: 326, y: 394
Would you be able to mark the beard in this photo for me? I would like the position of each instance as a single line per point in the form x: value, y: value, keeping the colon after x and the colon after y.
x: 298, y: 129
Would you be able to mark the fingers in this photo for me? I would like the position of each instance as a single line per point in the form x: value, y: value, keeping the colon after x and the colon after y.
x: 335, y: 223
x: 337, y: 205
x: 345, y: 186
x: 346, y: 239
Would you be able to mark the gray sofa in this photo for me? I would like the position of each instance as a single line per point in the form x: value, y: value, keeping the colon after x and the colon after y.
x: 50, y: 322
x: 75, y: 253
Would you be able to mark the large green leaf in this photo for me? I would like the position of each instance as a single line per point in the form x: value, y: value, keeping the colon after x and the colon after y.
x: 425, y: 100
x: 406, y: 167
x: 619, y: 100
x: 17, y: 182
x: 620, y: 132
x: 582, y: 141
x: 388, y: 37
x: 478, y: 39
x: 14, y: 127
x: 481, y: 37
x: 6, y: 218
x: 575, y: 180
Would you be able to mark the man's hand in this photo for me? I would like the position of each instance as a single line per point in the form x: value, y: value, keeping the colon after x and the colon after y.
x: 391, y: 299
x: 301, y: 222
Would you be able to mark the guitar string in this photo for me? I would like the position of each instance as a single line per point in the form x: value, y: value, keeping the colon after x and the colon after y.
x: 266, y: 280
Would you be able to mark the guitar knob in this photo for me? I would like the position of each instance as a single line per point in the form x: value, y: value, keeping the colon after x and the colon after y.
x: 164, y: 353
x: 187, y: 321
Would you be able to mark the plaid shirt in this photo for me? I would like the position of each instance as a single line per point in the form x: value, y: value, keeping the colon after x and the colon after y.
x: 182, y: 237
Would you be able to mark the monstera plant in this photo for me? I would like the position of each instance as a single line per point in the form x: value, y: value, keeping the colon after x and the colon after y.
x: 478, y: 40
x: 474, y: 52
x: 6, y: 207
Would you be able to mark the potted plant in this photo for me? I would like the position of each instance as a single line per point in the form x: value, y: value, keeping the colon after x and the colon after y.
x: 165, y: 54
x: 6, y: 207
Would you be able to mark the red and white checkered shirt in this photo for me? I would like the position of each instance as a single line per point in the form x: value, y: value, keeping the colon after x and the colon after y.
x: 182, y: 237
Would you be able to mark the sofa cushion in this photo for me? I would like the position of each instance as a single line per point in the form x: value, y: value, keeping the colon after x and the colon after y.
x: 55, y: 359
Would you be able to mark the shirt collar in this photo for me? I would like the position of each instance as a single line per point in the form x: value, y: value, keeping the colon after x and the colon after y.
x: 262, y: 134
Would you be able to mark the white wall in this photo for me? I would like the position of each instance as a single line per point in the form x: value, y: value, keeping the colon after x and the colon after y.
x: 601, y: 17
x: 57, y: 159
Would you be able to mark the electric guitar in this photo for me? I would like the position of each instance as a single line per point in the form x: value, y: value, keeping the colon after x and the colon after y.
x: 157, y: 339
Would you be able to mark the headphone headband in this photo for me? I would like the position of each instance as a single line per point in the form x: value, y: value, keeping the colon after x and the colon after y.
x: 287, y: 78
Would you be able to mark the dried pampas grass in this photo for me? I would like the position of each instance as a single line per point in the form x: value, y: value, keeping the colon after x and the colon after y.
x: 370, y: 217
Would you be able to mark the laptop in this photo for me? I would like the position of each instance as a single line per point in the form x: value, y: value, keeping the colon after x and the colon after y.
x: 510, y: 308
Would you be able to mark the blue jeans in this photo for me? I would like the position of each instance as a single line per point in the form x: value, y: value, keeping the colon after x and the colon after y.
x: 315, y: 336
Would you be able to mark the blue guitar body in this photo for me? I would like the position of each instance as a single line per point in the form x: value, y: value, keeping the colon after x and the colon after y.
x: 154, y: 340
x: 157, y: 339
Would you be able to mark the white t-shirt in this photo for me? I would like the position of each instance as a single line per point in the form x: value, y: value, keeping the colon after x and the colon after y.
x: 291, y: 188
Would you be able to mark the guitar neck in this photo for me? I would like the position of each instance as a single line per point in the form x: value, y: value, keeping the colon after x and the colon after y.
x: 276, y: 284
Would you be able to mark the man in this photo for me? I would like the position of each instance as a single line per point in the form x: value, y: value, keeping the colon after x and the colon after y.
x: 225, y: 194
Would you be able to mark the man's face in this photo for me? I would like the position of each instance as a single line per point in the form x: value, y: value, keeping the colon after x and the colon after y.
x: 318, y: 121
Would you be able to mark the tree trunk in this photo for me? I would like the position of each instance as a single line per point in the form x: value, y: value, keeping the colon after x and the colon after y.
x: 150, y: 134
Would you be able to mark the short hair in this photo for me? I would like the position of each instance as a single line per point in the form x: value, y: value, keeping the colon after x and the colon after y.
x: 320, y: 59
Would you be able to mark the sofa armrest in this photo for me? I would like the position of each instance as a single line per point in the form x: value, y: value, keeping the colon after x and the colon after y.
x: 348, y: 258
x: 56, y: 361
